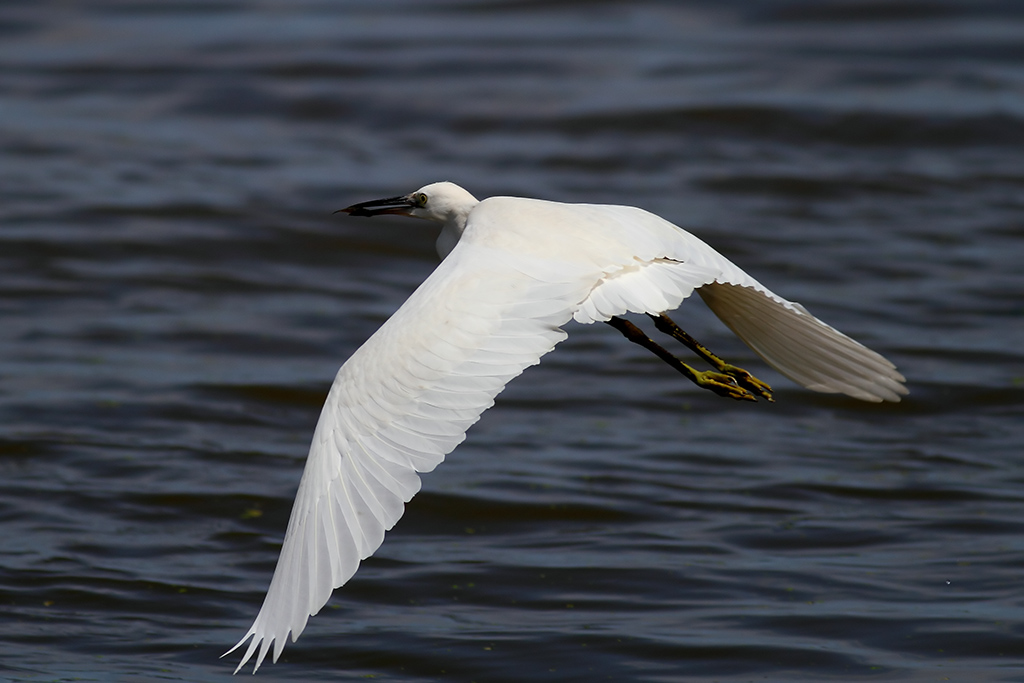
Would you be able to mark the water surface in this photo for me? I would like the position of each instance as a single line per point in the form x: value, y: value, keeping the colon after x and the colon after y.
x: 176, y: 296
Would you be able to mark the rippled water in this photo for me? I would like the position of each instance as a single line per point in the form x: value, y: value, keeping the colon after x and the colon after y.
x: 176, y: 296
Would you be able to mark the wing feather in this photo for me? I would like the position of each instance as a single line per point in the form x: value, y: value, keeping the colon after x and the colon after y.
x: 800, y: 346
x: 782, y: 332
x: 397, y: 407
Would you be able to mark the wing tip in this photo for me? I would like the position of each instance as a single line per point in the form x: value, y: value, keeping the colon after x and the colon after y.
x: 885, y: 389
x: 805, y: 349
x: 262, y: 643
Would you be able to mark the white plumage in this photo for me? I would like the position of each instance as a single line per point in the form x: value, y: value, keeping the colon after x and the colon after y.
x: 514, y: 271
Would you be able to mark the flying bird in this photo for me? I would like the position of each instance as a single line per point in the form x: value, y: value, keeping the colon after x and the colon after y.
x: 513, y: 272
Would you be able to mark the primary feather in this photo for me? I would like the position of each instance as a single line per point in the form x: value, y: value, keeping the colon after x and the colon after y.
x: 515, y: 270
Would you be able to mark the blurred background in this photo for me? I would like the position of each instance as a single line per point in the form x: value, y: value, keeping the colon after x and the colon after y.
x: 176, y: 296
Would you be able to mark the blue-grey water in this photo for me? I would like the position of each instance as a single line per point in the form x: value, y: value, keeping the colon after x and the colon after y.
x: 176, y: 296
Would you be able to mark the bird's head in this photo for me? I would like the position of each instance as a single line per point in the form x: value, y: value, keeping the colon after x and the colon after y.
x: 442, y: 202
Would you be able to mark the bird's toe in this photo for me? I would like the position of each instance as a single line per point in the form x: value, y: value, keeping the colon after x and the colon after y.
x: 724, y: 385
x: 749, y: 382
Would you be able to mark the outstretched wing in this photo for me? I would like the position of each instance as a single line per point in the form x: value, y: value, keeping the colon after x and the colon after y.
x: 782, y: 332
x: 800, y: 346
x: 400, y: 404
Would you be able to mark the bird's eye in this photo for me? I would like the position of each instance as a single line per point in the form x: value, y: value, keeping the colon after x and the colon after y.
x: 421, y: 199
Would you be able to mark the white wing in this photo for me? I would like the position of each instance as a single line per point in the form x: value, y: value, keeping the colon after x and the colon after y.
x: 800, y: 346
x: 782, y: 332
x: 398, y: 406
x: 492, y: 308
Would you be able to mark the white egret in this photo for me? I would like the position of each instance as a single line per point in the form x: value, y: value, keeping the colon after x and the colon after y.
x: 513, y: 272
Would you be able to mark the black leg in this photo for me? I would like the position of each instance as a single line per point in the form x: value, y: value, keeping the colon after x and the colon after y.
x: 721, y: 383
x: 743, y: 378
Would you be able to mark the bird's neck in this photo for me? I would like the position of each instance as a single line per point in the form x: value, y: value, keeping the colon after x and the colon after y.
x: 450, y: 234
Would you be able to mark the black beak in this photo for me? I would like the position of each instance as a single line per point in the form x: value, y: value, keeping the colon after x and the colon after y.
x: 377, y: 207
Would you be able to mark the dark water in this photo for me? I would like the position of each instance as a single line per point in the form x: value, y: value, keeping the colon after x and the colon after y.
x: 176, y: 296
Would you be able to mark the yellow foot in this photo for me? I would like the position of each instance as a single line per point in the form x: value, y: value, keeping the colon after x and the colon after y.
x: 749, y: 382
x: 723, y: 385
